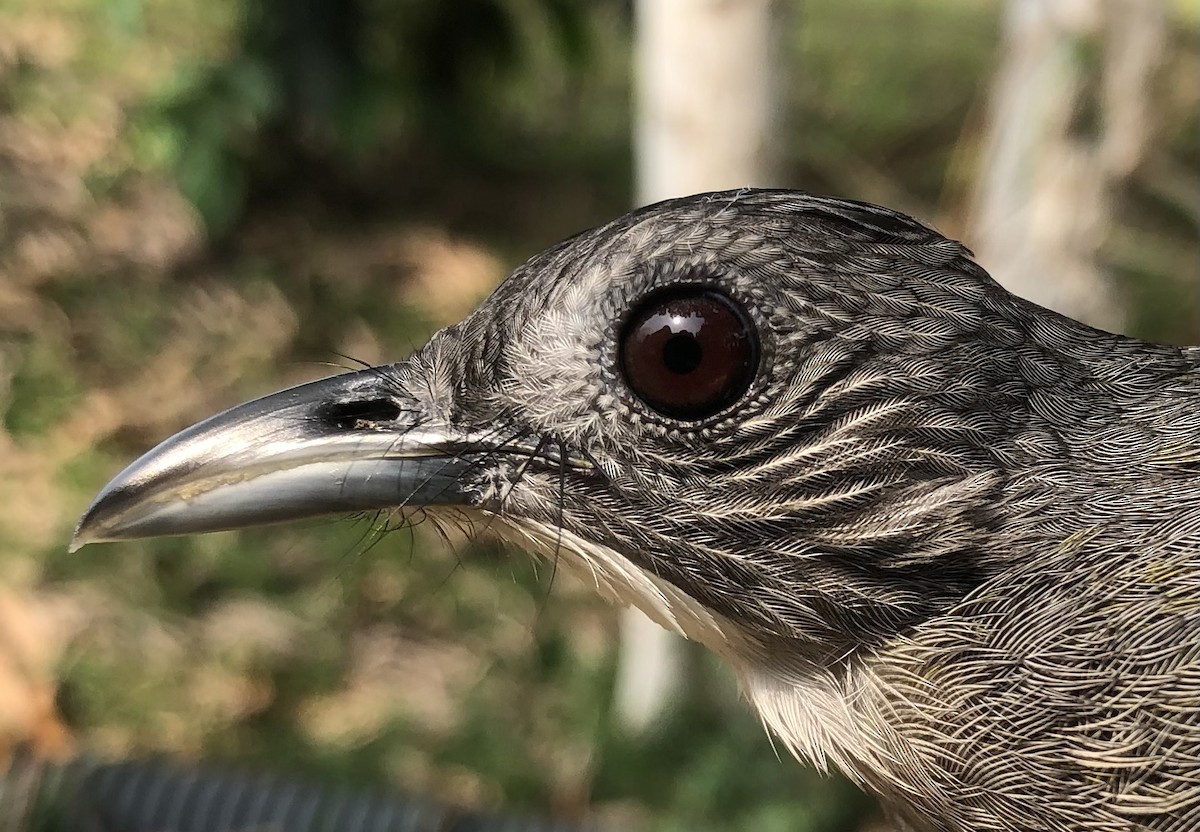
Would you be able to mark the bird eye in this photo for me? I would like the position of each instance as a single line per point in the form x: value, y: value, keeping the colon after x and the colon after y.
x: 688, y: 352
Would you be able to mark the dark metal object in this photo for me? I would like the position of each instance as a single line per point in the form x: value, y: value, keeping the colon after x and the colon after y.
x: 157, y: 795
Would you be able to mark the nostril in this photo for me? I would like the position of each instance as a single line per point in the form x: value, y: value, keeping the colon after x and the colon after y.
x: 361, y: 414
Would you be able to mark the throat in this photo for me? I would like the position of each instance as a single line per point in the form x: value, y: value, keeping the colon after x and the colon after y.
x: 831, y: 717
x: 622, y: 582
x: 831, y: 712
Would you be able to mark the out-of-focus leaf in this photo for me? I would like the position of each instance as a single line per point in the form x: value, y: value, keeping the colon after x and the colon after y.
x: 570, y: 27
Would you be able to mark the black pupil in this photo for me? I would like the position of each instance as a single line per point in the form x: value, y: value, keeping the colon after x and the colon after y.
x: 688, y: 352
x: 682, y: 353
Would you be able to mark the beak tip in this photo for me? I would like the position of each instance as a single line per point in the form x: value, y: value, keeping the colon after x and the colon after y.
x: 85, y: 532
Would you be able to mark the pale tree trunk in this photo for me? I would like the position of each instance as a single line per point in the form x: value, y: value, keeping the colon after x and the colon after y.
x: 1062, y: 134
x: 705, y: 106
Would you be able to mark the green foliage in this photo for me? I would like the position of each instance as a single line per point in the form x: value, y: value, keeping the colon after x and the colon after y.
x: 210, y: 131
x: 330, y: 80
x: 880, y: 110
x: 43, y: 388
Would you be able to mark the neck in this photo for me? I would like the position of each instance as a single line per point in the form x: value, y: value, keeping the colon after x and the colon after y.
x: 1113, y: 450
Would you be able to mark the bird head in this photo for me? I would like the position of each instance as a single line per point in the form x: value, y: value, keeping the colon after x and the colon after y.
x: 770, y: 420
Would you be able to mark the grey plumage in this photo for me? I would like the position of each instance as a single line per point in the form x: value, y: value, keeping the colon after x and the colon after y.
x: 948, y: 540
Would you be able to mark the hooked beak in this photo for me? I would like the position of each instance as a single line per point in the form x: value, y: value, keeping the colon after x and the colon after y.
x: 353, y: 442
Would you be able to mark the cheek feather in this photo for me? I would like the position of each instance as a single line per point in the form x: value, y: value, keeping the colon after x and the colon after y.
x: 622, y: 582
x: 556, y: 383
x: 831, y: 719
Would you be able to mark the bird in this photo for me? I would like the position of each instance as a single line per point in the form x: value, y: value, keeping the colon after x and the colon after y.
x: 947, y: 540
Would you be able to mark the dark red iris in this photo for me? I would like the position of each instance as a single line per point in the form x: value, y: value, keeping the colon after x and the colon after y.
x: 689, y: 352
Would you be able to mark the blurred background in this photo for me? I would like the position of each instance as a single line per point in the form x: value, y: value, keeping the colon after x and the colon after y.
x: 205, y: 200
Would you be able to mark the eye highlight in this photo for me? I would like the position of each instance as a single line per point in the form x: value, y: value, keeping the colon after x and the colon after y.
x: 688, y: 352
